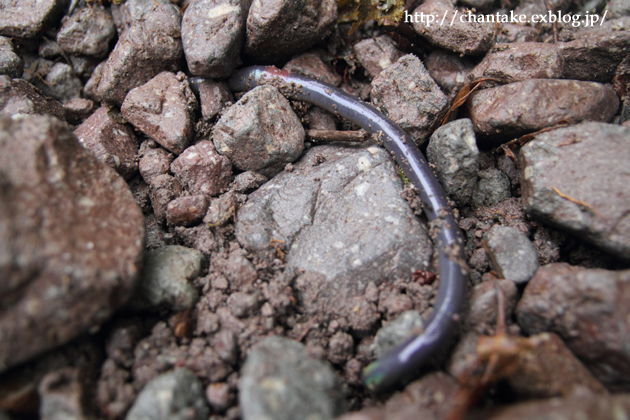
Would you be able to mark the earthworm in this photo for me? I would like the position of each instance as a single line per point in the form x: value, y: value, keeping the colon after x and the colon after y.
x: 398, y: 363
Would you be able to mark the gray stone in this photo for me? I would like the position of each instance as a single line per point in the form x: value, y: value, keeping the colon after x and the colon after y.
x: 166, y: 279
x: 78, y: 110
x: 176, y: 395
x: 213, y: 32
x: 453, y: 151
x: 20, y: 97
x: 512, y: 255
x: 125, y: 13
x: 11, y: 64
x: 60, y: 83
x: 396, y: 331
x: 344, y: 218
x: 492, y: 187
x: 87, y: 31
x: 406, y: 93
x: 260, y: 132
x: 576, y: 178
x: 248, y: 181
x: 28, y: 18
x: 449, y: 70
x: 62, y: 395
x: 376, y: 54
x: 280, y: 381
x: 617, y: 8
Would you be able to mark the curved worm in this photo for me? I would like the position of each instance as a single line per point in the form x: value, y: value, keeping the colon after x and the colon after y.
x: 416, y: 350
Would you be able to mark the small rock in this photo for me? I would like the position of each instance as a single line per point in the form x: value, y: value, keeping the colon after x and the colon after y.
x: 176, y: 395
x: 20, y: 97
x: 166, y: 279
x: 87, y: 31
x: 340, y: 347
x: 512, y: 32
x: 470, y: 38
x: 449, y: 70
x: 512, y: 110
x: 219, y: 396
x: 311, y: 65
x: 213, y: 32
x: 125, y: 13
x: 584, y: 307
x: 246, y: 182
x: 150, y: 46
x: 163, y: 109
x: 62, y: 395
x: 280, y: 381
x: 492, y: 187
x: 78, y: 110
x: 617, y: 8
x: 376, y: 54
x: 76, y: 234
x: 186, y: 211
x: 453, y: 151
x: 512, y: 254
x: 221, y: 210
x: 213, y: 96
x: 318, y: 119
x: 243, y: 304
x: 11, y: 64
x: 284, y: 28
x: 397, y: 331
x: 61, y: 83
x: 164, y: 189
x: 406, y: 94
x: 482, y: 312
x: 260, y: 132
x: 29, y: 18
x: 585, y: 196
x: 201, y: 170
x: 239, y: 271
x: 110, y: 141
x: 122, y: 341
x: 89, y: 90
x: 154, y: 162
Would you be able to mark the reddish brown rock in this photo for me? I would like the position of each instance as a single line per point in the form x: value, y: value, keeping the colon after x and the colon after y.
x: 311, y: 65
x: 163, y: 109
x: 376, y: 54
x: 449, y: 70
x: 20, y: 97
x: 186, y: 211
x: 511, y: 110
x: 78, y: 110
x: 110, y: 141
x: 201, y: 170
x: 213, y: 96
x: 164, y: 189
x: 28, y: 18
x: 87, y: 31
x: 71, y: 235
x: 154, y: 162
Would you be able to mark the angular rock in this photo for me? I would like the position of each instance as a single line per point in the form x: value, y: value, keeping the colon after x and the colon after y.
x: 176, y: 395
x: 397, y: 331
x: 511, y: 253
x: 78, y: 110
x: 617, y: 8
x: 11, y: 64
x: 376, y: 54
x: 186, y: 211
x: 281, y: 29
x: 201, y: 170
x: 213, y: 97
x: 61, y: 83
x: 166, y: 279
x: 575, y: 178
x: 110, y: 141
x: 213, y: 32
x: 453, y: 151
x: 512, y: 110
x: 344, y: 219
x: 260, y: 132
x: 512, y: 32
x: 583, y: 306
x: 152, y: 44
x: 154, y: 162
x: 62, y: 395
x: 164, y: 189
x: 311, y: 64
x: 71, y: 235
x: 87, y: 31
x: 406, y: 94
x: 125, y: 13
x: 20, y: 97
x: 470, y: 38
x: 163, y: 109
x: 246, y: 182
x: 482, y: 313
x: 492, y: 188
x: 89, y: 90
x: 449, y: 70
x: 280, y: 381
x: 28, y: 18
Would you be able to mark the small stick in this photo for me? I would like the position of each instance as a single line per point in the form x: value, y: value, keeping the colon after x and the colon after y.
x: 331, y: 136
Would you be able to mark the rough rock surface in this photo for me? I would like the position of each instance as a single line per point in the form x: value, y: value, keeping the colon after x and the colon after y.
x: 78, y: 110
x: 280, y: 29
x: 152, y: 44
x: 511, y: 253
x: 453, y: 151
x: 176, y: 395
x: 186, y: 211
x: 280, y: 381
x: 72, y: 237
x: 583, y: 307
x: 576, y: 178
x: 517, y: 108
x: 492, y: 187
x: 60, y: 82
x: 154, y: 161
x: 110, y: 141
x: 28, y: 18
x: 213, y: 32
x: 260, y: 132
x: 376, y: 54
x: 449, y: 70
x: 11, y: 64
x: 20, y: 97
x: 406, y: 93
x: 63, y: 395
x: 87, y: 31
x: 163, y: 109
x: 311, y: 64
x: 213, y: 97
x: 201, y: 170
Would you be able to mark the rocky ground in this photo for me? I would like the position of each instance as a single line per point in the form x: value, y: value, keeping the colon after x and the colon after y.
x: 170, y: 250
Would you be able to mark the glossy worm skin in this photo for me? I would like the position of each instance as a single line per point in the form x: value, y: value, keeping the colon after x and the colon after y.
x: 416, y: 350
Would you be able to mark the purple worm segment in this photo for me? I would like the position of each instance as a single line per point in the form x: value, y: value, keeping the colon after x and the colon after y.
x: 416, y: 350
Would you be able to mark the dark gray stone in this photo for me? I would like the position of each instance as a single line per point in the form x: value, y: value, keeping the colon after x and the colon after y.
x: 280, y: 381
x: 20, y: 97
x: 28, y: 18
x: 396, y: 331
x: 512, y: 255
x: 11, y: 64
x: 176, y: 395
x: 87, y: 31
x: 453, y: 151
x: 576, y: 178
x: 60, y: 83
x: 492, y: 187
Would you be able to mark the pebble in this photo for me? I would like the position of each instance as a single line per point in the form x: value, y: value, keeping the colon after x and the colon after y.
x: 187, y: 210
x: 28, y: 18
x: 376, y: 54
x: 18, y: 96
x: 88, y: 31
x: 449, y: 70
x: 512, y: 255
x: 492, y: 188
x: 201, y: 170
x: 154, y: 162
x: 11, y: 64
x: 214, y: 96
x: 311, y: 65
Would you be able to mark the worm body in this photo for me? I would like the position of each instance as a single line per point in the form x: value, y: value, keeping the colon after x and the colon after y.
x: 416, y: 350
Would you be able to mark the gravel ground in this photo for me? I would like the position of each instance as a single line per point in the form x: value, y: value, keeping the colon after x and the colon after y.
x: 178, y: 250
